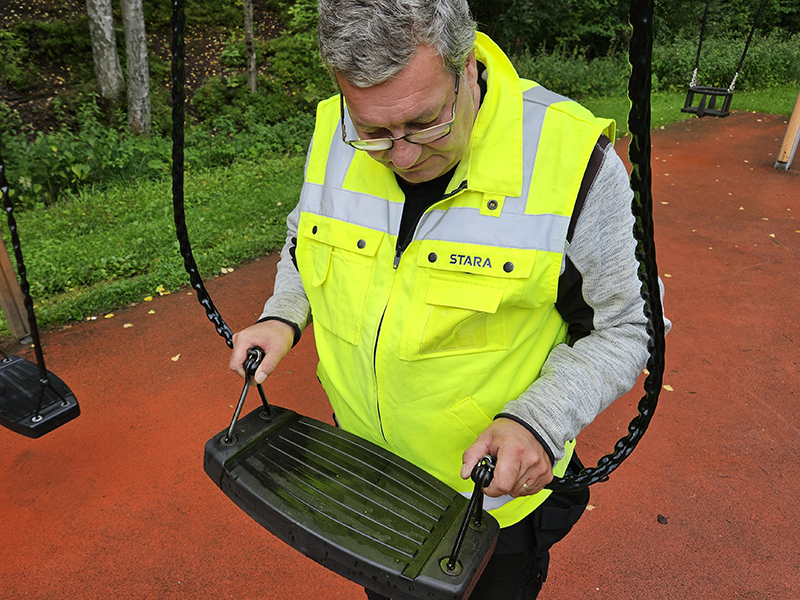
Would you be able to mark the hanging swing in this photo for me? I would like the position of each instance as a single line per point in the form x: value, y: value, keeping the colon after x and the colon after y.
x: 33, y: 401
x: 353, y: 507
x: 706, y: 96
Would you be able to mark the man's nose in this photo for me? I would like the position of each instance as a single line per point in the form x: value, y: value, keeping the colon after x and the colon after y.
x: 404, y: 154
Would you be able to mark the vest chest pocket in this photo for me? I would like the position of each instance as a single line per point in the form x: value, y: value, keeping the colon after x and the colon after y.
x: 453, y: 314
x: 336, y: 263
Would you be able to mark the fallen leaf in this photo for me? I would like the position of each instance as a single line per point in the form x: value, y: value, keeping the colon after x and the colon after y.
x: 668, y: 388
x: 590, y: 507
x: 109, y: 315
x: 160, y: 289
x: 667, y: 275
x: 176, y: 357
x: 148, y: 298
x: 152, y: 312
x: 662, y: 519
x: 127, y: 325
x: 772, y: 235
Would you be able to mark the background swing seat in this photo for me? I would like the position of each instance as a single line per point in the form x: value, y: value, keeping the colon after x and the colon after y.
x: 351, y: 506
x: 20, y: 391
x: 706, y: 105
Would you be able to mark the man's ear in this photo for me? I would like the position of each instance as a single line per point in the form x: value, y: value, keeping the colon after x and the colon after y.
x: 471, y: 70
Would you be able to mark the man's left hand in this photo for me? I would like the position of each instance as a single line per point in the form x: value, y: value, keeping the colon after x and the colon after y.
x: 523, y: 467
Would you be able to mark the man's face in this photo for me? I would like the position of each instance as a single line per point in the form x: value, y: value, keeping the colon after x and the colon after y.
x: 420, y: 96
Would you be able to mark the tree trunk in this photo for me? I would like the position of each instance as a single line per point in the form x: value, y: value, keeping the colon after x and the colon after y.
x: 138, y: 70
x: 249, y: 45
x: 110, y: 83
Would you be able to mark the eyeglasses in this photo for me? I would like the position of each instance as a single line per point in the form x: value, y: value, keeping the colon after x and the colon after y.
x: 421, y: 137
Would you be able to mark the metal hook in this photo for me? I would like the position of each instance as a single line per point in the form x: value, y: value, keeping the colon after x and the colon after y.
x: 254, y: 357
x: 482, y: 475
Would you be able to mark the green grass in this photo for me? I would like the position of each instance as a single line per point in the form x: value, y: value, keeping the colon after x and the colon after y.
x: 95, y: 252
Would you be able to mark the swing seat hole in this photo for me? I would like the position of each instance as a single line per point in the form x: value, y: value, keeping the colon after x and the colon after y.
x: 225, y: 441
x: 455, y: 571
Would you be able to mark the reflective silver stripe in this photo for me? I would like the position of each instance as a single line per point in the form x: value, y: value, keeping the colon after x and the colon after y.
x: 535, y: 103
x: 456, y: 224
x: 543, y: 96
x: 352, y: 207
x: 340, y: 155
x: 490, y: 503
x: 510, y: 230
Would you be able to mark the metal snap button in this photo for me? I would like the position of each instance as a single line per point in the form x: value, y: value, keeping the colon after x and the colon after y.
x: 432, y: 257
x: 314, y: 230
x: 361, y: 244
x: 492, y: 204
x: 508, y: 267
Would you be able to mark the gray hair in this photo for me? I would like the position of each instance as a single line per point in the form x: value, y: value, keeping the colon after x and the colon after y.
x: 368, y: 42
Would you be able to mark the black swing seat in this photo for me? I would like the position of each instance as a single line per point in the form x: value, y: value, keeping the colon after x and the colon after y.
x: 706, y: 103
x: 20, y: 394
x: 350, y: 505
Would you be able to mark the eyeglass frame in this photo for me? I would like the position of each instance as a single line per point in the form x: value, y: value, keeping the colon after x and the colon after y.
x: 447, y: 128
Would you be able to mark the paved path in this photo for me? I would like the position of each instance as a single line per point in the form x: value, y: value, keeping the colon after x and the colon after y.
x: 115, y: 505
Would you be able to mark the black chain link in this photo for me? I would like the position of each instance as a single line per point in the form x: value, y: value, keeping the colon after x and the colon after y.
x: 178, y: 24
x: 641, y: 47
x: 23, y: 272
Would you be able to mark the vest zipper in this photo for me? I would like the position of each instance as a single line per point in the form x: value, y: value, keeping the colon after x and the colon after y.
x: 375, y: 374
x: 399, y: 249
x: 402, y: 247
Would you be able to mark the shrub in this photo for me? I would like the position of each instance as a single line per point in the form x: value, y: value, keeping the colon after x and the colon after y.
x: 771, y: 60
x: 573, y: 75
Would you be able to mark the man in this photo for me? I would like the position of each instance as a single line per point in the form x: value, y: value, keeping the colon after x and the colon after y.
x: 463, y: 242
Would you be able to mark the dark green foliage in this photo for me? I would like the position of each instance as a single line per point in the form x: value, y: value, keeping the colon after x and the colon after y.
x: 772, y: 60
x: 295, y: 82
x: 60, y: 43
x: 15, y: 64
x: 42, y: 167
x: 574, y: 75
x: 593, y: 27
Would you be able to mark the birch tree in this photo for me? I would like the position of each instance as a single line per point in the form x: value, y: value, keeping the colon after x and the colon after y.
x: 250, y: 45
x: 138, y: 67
x: 110, y: 82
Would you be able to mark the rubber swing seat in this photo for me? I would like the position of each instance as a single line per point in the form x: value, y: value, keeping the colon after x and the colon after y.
x: 707, y: 102
x: 20, y: 391
x: 350, y: 505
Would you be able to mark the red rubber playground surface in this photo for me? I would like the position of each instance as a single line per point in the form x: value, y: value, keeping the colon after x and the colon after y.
x: 116, y: 504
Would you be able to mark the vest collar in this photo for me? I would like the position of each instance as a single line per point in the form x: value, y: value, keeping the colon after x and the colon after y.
x: 497, y: 134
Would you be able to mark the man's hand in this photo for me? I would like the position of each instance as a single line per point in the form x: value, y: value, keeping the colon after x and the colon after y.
x: 523, y: 467
x: 275, y: 338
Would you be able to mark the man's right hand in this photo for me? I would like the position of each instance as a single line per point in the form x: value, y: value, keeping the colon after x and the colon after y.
x: 275, y: 338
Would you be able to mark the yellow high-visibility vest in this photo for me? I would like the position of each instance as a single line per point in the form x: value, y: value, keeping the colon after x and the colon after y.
x: 419, y: 355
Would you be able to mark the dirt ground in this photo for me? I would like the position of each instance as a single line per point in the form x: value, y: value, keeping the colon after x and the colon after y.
x: 115, y: 504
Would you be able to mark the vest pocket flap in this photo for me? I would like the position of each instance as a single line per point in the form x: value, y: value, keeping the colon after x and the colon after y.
x: 346, y: 236
x: 468, y: 295
x: 491, y: 261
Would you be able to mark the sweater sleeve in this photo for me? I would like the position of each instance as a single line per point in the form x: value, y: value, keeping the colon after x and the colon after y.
x: 582, y: 378
x: 289, y: 302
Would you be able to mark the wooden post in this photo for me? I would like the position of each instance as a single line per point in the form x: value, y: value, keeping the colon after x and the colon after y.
x: 790, y: 140
x: 11, y: 299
